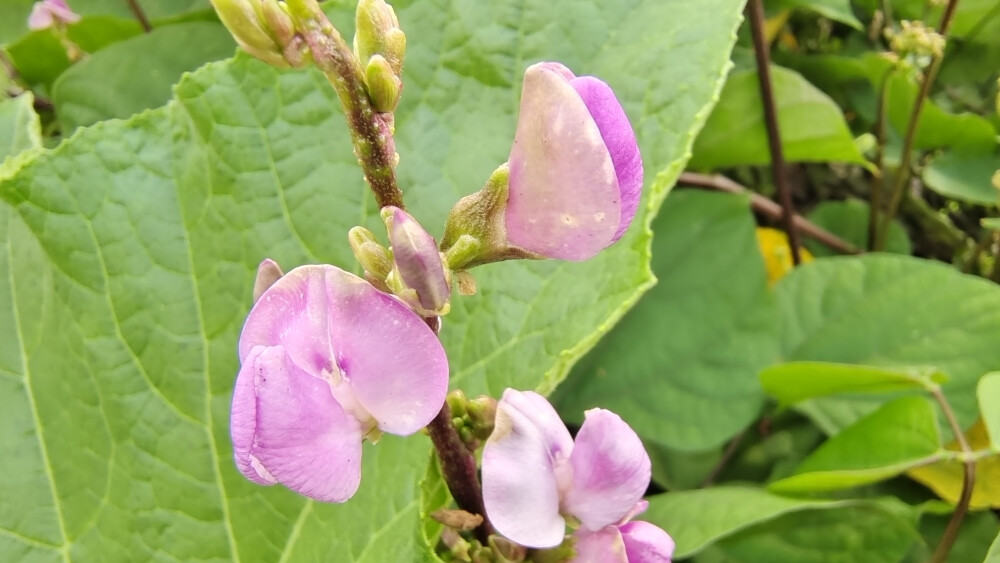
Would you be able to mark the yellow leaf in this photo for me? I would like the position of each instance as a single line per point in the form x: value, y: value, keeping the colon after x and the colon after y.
x: 777, y: 253
x: 945, y: 477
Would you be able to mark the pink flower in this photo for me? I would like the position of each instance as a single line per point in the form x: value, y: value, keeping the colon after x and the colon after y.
x: 418, y: 263
x: 328, y: 360
x: 48, y: 13
x: 575, y: 170
x: 535, y: 475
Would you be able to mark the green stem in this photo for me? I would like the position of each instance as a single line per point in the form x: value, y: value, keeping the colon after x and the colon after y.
x: 968, y: 481
x: 371, y: 132
x: 903, y: 172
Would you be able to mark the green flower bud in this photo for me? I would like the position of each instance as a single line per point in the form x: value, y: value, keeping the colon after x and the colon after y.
x: 243, y: 19
x: 375, y: 22
x: 372, y: 256
x: 384, y: 87
x: 279, y: 23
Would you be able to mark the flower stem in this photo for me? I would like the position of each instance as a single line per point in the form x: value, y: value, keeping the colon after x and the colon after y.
x: 140, y: 15
x: 371, y: 131
x: 968, y: 481
x: 755, y: 12
x: 903, y: 172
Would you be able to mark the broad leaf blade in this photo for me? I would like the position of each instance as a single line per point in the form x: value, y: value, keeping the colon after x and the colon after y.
x: 900, y: 435
x: 988, y: 393
x: 812, y: 126
x: 797, y: 381
x: 680, y: 368
x: 20, y: 128
x: 143, y: 237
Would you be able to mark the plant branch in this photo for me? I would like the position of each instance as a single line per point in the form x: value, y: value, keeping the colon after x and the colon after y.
x: 371, y: 132
x: 140, y: 15
x: 458, y: 464
x: 968, y: 481
x: 755, y: 12
x: 764, y: 206
x: 903, y: 172
x: 727, y: 455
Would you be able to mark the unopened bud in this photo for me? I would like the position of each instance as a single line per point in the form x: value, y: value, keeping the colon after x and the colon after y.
x: 377, y: 32
x: 245, y: 20
x: 417, y: 263
x: 482, y: 413
x: 384, y: 87
x: 268, y: 272
x: 372, y: 256
x: 456, y: 402
x: 915, y: 39
x: 279, y: 23
x: 508, y: 551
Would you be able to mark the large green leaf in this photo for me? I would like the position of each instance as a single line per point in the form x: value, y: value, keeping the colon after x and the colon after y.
x: 855, y: 534
x: 137, y: 73
x: 796, y: 381
x: 988, y: 392
x: 898, y: 436
x: 137, y: 241
x: 964, y: 176
x: 839, y: 10
x: 888, y: 310
x: 697, y: 519
x: 994, y: 554
x: 682, y: 366
x: 812, y: 126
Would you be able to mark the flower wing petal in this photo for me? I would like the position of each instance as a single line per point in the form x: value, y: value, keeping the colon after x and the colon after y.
x: 392, y: 360
x: 243, y: 419
x: 611, y: 471
x: 646, y: 543
x: 304, y: 439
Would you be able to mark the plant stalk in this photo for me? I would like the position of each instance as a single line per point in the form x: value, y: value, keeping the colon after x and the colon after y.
x: 140, y: 15
x: 755, y: 12
x: 968, y: 481
x: 370, y: 131
x: 458, y: 464
x: 762, y: 205
x: 905, y: 159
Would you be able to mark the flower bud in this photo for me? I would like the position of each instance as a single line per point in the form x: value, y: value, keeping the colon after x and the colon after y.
x: 372, y: 256
x: 377, y: 33
x: 384, y: 87
x: 268, y: 272
x: 51, y: 13
x: 278, y: 22
x: 262, y: 28
x: 417, y: 264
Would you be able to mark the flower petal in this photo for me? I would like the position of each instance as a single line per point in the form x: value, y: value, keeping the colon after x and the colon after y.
x: 303, y: 439
x: 243, y: 419
x: 392, y: 360
x: 564, y: 199
x: 294, y: 312
x: 611, y: 471
x: 620, y: 141
x: 646, y: 543
x: 418, y: 260
x: 520, y: 490
x: 604, y: 546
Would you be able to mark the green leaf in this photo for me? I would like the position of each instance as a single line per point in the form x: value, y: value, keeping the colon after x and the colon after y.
x: 135, y: 246
x: 992, y: 223
x: 699, y: 518
x: 965, y: 176
x: 20, y: 128
x: 812, y: 126
x: 974, y: 537
x: 858, y: 534
x: 797, y: 381
x: 837, y: 10
x: 136, y: 74
x: 681, y: 367
x: 848, y: 219
x: 900, y: 435
x: 988, y: 393
x: 887, y: 310
x: 994, y: 554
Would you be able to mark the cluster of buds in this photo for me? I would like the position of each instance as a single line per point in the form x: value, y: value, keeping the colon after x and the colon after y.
x: 915, y: 43
x: 264, y: 29
x: 379, y: 46
x: 473, y: 419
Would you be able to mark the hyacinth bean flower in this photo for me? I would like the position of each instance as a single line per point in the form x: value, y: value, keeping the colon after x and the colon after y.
x: 535, y: 478
x: 326, y: 361
x: 575, y: 170
x: 48, y: 13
